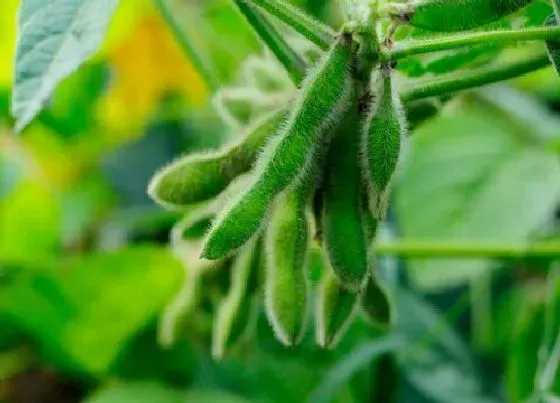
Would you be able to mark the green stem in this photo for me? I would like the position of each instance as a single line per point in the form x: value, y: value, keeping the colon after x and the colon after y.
x: 473, y: 78
x: 481, y: 310
x: 292, y: 62
x: 317, y: 32
x: 409, y: 48
x: 464, y: 249
x: 186, y: 45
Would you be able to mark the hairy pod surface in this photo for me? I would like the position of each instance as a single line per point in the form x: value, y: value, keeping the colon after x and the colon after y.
x: 287, y: 243
x: 343, y: 225
x: 377, y: 305
x: 382, y: 142
x: 553, y: 45
x: 199, y: 177
x: 335, y: 310
x: 324, y: 97
x: 459, y: 15
x: 230, y: 309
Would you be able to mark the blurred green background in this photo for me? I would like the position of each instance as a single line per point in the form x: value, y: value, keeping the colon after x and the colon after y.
x: 85, y: 270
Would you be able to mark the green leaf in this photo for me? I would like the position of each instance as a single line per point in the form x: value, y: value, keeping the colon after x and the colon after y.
x: 138, y: 393
x: 150, y: 392
x: 343, y: 371
x: 55, y: 38
x: 472, y: 177
x: 82, y: 312
x: 437, y: 361
x: 29, y: 229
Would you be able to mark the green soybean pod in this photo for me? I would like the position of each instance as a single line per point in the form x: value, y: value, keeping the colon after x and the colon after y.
x: 230, y: 309
x: 199, y: 177
x: 381, y: 146
x: 553, y: 45
x: 335, y: 309
x: 457, y: 15
x: 344, y: 235
x: 287, y: 243
x: 377, y: 305
x: 324, y: 97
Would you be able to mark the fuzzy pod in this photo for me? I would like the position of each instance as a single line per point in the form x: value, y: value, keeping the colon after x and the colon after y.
x: 553, y: 45
x: 344, y: 235
x: 292, y: 153
x: 231, y: 308
x: 381, y: 148
x: 336, y: 306
x: 457, y: 15
x: 377, y: 305
x: 287, y: 243
x: 199, y: 177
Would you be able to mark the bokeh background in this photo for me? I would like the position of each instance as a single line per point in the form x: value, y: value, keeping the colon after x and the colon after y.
x: 85, y: 270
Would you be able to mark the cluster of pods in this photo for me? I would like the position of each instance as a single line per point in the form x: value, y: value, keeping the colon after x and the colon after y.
x: 313, y: 174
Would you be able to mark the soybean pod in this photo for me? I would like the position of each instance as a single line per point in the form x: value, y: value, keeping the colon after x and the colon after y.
x: 553, y: 45
x: 199, y: 177
x: 287, y: 243
x: 230, y: 309
x: 455, y: 15
x: 324, y: 97
x: 344, y: 233
x: 335, y: 309
x: 381, y: 147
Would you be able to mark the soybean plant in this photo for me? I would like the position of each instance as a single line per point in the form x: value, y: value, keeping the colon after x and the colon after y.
x: 319, y: 145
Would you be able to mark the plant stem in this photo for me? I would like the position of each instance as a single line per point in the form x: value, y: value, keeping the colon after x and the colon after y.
x: 481, y: 310
x: 292, y: 62
x: 317, y: 32
x: 474, y: 78
x: 186, y: 45
x: 464, y: 249
x: 409, y: 48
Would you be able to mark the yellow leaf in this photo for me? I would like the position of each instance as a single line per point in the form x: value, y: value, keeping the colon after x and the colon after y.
x: 147, y: 65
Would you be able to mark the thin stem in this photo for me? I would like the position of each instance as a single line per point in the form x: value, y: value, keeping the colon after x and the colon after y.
x: 449, y: 249
x: 186, y: 45
x: 409, y: 48
x: 292, y: 62
x: 474, y: 78
x: 481, y: 310
x: 317, y: 32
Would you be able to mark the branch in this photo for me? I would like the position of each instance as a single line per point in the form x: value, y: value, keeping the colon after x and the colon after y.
x: 317, y: 32
x: 409, y: 48
x: 473, y: 78
x: 292, y: 62
x: 186, y: 45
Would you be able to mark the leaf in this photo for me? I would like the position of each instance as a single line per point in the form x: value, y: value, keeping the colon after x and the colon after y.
x: 138, y: 393
x: 82, y: 312
x: 438, y: 362
x: 148, y: 65
x: 29, y: 229
x: 55, y: 38
x: 149, y: 392
x: 342, y: 372
x: 472, y: 177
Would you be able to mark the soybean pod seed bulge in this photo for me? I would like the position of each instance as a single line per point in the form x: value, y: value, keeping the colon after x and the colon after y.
x: 382, y: 138
x: 343, y: 225
x: 287, y: 243
x: 199, y: 177
x: 324, y: 97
